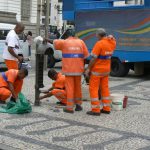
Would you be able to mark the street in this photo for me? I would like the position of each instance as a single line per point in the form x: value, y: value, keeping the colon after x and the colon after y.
x: 49, y: 128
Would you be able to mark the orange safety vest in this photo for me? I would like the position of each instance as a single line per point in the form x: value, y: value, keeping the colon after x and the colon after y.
x: 11, y: 76
x: 103, y: 51
x: 74, y: 51
x: 60, y: 82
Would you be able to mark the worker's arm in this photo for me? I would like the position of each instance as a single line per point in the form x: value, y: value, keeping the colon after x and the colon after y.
x: 11, y: 88
x: 95, y: 53
x: 45, y: 96
x: 92, y: 62
x: 49, y: 40
x: 47, y: 91
x: 11, y: 51
x: 50, y: 89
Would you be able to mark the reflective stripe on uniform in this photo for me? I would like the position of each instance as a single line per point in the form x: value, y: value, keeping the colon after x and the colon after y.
x: 72, y: 74
x: 100, y: 74
x: 68, y: 55
x: 94, y: 99
x: 104, y: 57
x: 70, y: 100
x: 106, y: 104
x: 4, y: 76
x: 105, y: 98
x: 95, y: 106
x: 78, y: 99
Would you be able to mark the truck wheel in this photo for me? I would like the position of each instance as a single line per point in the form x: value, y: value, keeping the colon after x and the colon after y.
x: 118, y: 69
x: 146, y: 71
x: 51, y: 61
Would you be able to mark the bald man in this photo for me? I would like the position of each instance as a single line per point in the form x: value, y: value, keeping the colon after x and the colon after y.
x: 12, y: 46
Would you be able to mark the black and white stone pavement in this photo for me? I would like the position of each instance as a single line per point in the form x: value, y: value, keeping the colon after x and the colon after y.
x: 49, y: 128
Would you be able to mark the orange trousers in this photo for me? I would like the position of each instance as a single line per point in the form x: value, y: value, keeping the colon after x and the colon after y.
x: 96, y: 83
x: 4, y: 94
x: 60, y: 95
x: 11, y: 64
x: 73, y: 89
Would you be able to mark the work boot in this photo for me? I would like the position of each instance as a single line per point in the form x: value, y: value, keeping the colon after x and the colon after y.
x: 93, y: 113
x: 68, y: 111
x: 60, y: 103
x: 78, y: 107
x: 13, y: 99
x: 105, y: 112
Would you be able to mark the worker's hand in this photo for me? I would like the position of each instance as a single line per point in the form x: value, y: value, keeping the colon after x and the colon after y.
x: 87, y: 72
x: 44, y: 91
x: 20, y: 59
x: 40, y: 98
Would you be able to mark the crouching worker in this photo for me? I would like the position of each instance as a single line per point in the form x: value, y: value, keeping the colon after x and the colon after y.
x: 11, y: 83
x: 57, y: 89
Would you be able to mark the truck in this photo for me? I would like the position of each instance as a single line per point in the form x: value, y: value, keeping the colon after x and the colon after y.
x: 130, y: 25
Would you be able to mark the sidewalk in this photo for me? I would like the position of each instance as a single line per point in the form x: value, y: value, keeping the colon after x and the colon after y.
x: 49, y: 128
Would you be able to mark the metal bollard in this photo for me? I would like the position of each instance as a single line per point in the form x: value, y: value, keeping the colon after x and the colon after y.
x: 41, y: 50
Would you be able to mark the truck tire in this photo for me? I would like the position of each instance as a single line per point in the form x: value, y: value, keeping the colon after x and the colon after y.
x: 118, y: 69
x: 51, y: 61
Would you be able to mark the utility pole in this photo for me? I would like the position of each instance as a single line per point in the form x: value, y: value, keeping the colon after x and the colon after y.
x: 47, y: 13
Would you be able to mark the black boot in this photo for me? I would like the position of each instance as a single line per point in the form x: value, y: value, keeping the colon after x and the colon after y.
x: 78, y: 107
x: 93, y: 113
x: 105, y: 112
x: 13, y: 99
x: 60, y: 103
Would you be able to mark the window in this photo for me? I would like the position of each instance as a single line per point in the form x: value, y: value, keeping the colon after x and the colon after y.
x: 25, y: 10
x: 3, y: 34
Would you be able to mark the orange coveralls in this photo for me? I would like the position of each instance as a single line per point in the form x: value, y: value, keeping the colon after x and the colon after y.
x: 103, y: 51
x: 11, y: 64
x: 74, y: 51
x: 59, y: 89
x: 9, y: 76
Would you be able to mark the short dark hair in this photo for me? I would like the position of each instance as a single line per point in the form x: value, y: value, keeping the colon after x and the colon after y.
x: 30, y: 33
x: 52, y: 73
x: 101, y: 32
x: 25, y: 71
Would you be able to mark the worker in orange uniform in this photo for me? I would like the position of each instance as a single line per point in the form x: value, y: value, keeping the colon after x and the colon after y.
x: 99, y: 69
x: 11, y: 83
x: 74, y: 51
x: 12, y: 46
x: 57, y: 89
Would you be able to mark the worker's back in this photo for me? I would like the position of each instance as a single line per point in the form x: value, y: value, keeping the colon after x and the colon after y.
x: 104, y: 48
x: 74, y: 51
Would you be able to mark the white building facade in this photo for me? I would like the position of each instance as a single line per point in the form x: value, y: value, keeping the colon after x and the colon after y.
x: 25, y: 11
x: 20, y: 10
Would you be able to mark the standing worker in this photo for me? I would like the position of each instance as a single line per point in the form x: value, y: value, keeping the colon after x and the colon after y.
x: 10, y: 53
x: 99, y: 69
x: 74, y: 51
x: 11, y: 83
x: 57, y: 89
x: 29, y: 39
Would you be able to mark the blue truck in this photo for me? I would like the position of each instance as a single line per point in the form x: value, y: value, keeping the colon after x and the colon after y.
x: 129, y: 24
